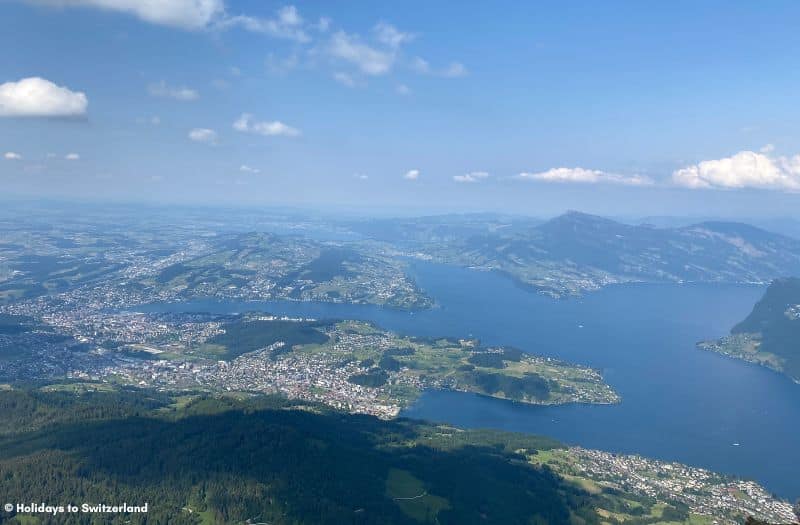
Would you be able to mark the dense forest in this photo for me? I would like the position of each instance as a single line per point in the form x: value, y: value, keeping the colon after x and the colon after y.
x: 229, y: 460
x: 776, y: 317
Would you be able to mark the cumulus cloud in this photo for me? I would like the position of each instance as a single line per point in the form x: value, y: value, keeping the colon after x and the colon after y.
x: 287, y: 24
x: 185, y: 14
x: 366, y: 58
x: 10, y: 155
x: 411, y: 175
x: 38, y: 97
x: 746, y: 169
x: 72, y: 156
x: 204, y: 135
x: 244, y: 168
x: 162, y: 90
x: 474, y: 176
x: 247, y: 124
x: 585, y: 176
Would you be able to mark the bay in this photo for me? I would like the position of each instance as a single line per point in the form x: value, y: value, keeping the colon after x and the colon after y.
x: 679, y: 403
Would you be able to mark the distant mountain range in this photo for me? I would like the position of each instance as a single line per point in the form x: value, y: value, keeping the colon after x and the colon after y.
x: 576, y: 252
x: 770, y: 335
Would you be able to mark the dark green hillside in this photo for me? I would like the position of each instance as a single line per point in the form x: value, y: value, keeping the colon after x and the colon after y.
x: 770, y: 335
x: 241, y: 337
x: 776, y: 317
x: 229, y: 461
x: 331, y: 263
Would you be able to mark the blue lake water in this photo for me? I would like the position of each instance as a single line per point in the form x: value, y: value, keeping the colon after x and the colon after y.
x: 679, y: 403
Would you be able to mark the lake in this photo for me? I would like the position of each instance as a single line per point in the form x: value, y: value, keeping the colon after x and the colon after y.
x: 679, y: 403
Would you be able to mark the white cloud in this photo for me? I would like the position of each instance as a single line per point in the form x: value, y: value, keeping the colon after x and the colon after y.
x: 474, y: 176
x: 746, y: 169
x: 344, y: 79
x: 72, y: 156
x: 361, y: 176
x: 244, y: 168
x: 204, y: 135
x: 161, y: 89
x: 767, y: 148
x: 411, y: 175
x: 389, y: 35
x: 186, y: 14
x: 246, y: 124
x: 585, y: 176
x: 368, y: 59
x: 38, y: 97
x: 402, y: 89
x: 10, y: 155
x: 287, y: 24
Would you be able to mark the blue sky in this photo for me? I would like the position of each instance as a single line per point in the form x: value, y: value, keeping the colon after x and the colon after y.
x: 534, y: 107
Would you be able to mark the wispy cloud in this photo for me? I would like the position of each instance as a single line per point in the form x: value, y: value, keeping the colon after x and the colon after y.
x: 287, y: 23
x: 182, y: 93
x: 412, y: 175
x: 10, y: 155
x: 278, y: 65
x: 204, y: 135
x: 475, y: 176
x: 585, y: 176
x: 390, y: 36
x: 185, y: 14
x: 275, y: 128
x: 368, y: 59
x: 345, y: 79
x: 452, y: 70
x: 244, y: 168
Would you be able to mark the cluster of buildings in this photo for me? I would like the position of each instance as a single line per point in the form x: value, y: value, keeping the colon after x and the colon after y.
x: 704, y: 492
x: 320, y: 377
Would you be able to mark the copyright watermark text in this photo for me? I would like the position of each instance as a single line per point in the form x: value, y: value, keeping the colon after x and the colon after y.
x: 69, y: 508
